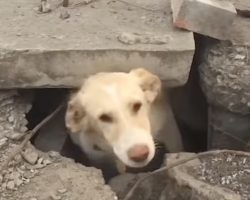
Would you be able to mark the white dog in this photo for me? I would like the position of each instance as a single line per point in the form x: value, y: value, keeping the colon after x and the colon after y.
x: 117, y: 116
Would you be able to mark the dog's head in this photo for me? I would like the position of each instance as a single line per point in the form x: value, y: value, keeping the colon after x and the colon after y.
x: 116, y: 107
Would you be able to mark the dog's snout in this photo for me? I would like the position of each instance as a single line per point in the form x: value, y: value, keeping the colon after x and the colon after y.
x: 138, y: 153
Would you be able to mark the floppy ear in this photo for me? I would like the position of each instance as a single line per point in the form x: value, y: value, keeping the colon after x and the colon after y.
x: 150, y: 83
x: 74, y: 115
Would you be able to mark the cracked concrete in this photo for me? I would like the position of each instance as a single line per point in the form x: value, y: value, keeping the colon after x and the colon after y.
x: 43, y: 50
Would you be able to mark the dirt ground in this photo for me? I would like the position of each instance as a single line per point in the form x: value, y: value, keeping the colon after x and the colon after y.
x: 226, y: 170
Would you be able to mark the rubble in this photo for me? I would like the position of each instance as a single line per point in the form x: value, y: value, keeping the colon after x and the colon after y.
x: 60, y: 53
x: 185, y: 181
x: 61, y: 179
x: 201, y: 16
x: 224, y: 77
x: 30, y: 155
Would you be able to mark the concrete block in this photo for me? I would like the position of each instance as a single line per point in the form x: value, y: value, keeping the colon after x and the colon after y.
x: 43, y: 50
x: 208, y: 17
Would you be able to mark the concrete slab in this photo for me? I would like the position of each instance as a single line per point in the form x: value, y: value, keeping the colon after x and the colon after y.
x: 44, y: 50
x: 201, y: 16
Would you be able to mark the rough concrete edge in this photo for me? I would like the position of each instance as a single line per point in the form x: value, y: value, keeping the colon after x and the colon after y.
x: 178, y: 5
x: 183, y: 179
x: 6, y: 56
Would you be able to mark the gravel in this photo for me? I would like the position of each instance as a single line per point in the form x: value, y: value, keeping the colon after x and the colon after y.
x: 226, y: 170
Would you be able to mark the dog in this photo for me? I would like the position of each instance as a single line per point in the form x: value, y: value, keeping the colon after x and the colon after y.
x: 116, y: 116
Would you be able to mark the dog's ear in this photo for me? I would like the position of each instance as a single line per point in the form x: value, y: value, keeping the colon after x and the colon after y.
x: 74, y: 116
x: 150, y: 83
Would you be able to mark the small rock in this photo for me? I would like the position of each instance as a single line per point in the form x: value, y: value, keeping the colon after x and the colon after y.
x: 18, y: 158
x: 55, y: 197
x: 14, y: 175
x: 145, y: 38
x: 30, y: 156
x: 44, y: 7
x: 26, y: 180
x: 62, y: 191
x: 4, y: 185
x: 47, y: 162
x: 54, y: 154
x: 64, y: 14
x: 15, y: 136
x: 3, y: 142
x: 87, y: 1
x: 39, y: 166
x: 11, y: 119
x: 40, y: 161
x: 1, y: 178
x: 18, y: 182
x: 10, y: 185
x: 23, y: 129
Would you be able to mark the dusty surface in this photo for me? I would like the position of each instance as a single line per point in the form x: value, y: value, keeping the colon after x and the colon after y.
x: 54, y: 50
x: 53, y: 177
x: 226, y: 170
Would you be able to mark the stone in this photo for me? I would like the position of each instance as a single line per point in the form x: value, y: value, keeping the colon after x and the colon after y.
x: 10, y: 185
x: 64, y: 14
x: 55, y: 197
x: 15, y: 136
x: 201, y: 16
x: 1, y: 178
x: 145, y: 38
x: 3, y: 142
x: 61, y: 53
x: 62, y: 191
x: 30, y: 155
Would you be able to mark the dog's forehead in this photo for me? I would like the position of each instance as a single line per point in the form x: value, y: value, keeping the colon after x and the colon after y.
x: 109, y: 83
x: 108, y: 90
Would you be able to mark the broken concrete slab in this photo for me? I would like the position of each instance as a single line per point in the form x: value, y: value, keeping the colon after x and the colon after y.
x: 201, y: 16
x: 194, y: 188
x: 42, y: 50
x: 60, y: 179
x: 180, y: 182
x: 224, y: 74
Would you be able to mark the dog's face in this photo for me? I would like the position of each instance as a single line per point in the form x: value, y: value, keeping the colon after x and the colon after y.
x: 115, y: 107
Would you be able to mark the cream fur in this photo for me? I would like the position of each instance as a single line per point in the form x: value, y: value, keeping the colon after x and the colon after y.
x: 115, y: 96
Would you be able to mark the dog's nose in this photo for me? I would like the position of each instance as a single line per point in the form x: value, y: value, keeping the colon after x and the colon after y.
x: 138, y: 153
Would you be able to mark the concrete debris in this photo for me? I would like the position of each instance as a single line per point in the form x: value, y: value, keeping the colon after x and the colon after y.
x: 12, y: 113
x: 64, y: 14
x: 148, y: 38
x: 48, y: 47
x: 30, y: 155
x: 201, y: 16
x: 3, y: 142
x: 10, y: 185
x: 194, y: 188
x: 16, y: 136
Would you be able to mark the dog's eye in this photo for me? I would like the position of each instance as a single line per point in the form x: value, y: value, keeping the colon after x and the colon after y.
x: 136, y: 107
x: 106, y: 118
